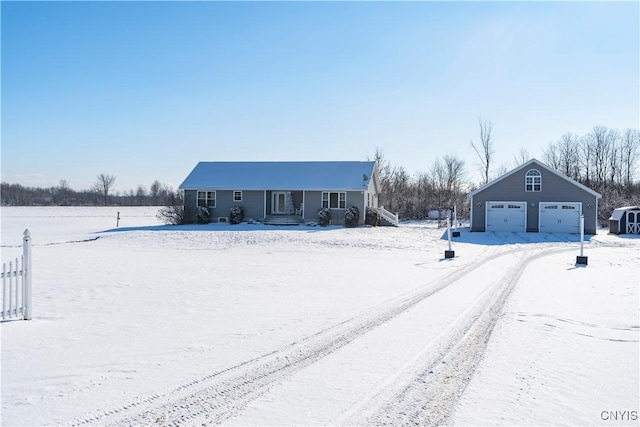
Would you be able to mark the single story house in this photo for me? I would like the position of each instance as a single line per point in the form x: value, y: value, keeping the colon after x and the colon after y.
x: 534, y: 198
x: 267, y: 189
x: 625, y: 220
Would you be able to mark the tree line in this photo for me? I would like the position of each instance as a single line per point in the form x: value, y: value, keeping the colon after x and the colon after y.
x: 604, y: 159
x: 158, y: 194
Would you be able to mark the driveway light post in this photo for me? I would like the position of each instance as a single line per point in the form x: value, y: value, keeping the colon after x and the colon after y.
x: 456, y: 233
x: 581, y: 259
x: 449, y: 253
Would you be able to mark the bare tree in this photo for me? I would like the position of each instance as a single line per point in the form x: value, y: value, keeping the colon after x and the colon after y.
x: 104, y: 184
x: 385, y: 175
x: 599, y: 141
x: 629, y: 150
x: 447, y: 180
x: 586, y: 158
x: 455, y: 173
x: 551, y: 156
x: 569, y: 155
x: 613, y: 156
x: 63, y: 191
x: 485, y: 150
x: 522, y: 157
x: 141, y: 194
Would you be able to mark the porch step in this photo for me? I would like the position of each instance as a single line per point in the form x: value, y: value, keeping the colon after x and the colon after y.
x: 385, y: 222
x: 283, y: 220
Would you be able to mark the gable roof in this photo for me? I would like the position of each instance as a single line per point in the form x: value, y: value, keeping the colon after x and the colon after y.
x: 538, y: 164
x: 280, y: 176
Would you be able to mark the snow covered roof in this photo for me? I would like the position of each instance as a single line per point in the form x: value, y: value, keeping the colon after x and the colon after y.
x: 280, y: 176
x: 537, y: 163
x: 619, y: 212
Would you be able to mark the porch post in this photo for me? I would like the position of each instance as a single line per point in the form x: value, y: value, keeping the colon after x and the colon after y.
x: 264, y: 203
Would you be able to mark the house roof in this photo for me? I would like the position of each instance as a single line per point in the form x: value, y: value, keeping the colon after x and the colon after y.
x: 540, y: 165
x: 280, y: 176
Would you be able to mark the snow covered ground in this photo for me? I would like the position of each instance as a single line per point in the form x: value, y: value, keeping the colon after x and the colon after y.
x: 258, y: 325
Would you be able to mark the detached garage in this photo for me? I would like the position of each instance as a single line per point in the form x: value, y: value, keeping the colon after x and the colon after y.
x: 534, y: 198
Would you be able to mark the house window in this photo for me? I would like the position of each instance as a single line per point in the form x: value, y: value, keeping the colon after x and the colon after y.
x: 207, y: 199
x: 533, y: 180
x: 334, y: 200
x: 237, y: 196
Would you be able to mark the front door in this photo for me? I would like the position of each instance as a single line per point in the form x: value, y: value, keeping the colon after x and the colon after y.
x: 279, y: 205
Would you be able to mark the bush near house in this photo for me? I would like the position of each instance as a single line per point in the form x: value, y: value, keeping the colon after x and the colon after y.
x: 172, y: 215
x: 236, y: 215
x: 372, y: 217
x: 324, y: 217
x: 203, y: 215
x: 351, y: 216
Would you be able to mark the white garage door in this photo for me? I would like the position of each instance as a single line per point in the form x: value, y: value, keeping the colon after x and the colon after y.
x: 506, y: 216
x: 560, y: 217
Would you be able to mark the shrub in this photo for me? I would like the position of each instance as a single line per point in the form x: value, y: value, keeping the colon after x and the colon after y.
x: 172, y: 215
x: 351, y: 216
x: 372, y: 217
x: 324, y: 216
x: 203, y: 215
x: 236, y: 215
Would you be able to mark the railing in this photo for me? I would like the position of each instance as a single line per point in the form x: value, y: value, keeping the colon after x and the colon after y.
x: 16, y: 284
x: 390, y: 217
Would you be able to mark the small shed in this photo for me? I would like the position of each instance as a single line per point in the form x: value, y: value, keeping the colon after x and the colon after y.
x: 625, y: 220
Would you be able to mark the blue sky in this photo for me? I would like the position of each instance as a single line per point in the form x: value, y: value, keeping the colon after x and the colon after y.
x: 145, y: 90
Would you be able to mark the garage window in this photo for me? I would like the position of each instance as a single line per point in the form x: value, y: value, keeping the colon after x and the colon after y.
x: 533, y: 180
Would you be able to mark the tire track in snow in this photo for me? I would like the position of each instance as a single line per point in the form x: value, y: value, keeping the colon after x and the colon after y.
x: 215, y: 397
x: 425, y: 394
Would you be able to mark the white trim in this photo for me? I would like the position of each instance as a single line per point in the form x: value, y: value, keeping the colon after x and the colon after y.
x: 303, y: 197
x: 234, y: 195
x: 264, y: 202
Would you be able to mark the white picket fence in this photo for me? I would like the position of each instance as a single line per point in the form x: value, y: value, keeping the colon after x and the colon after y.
x: 16, y: 284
